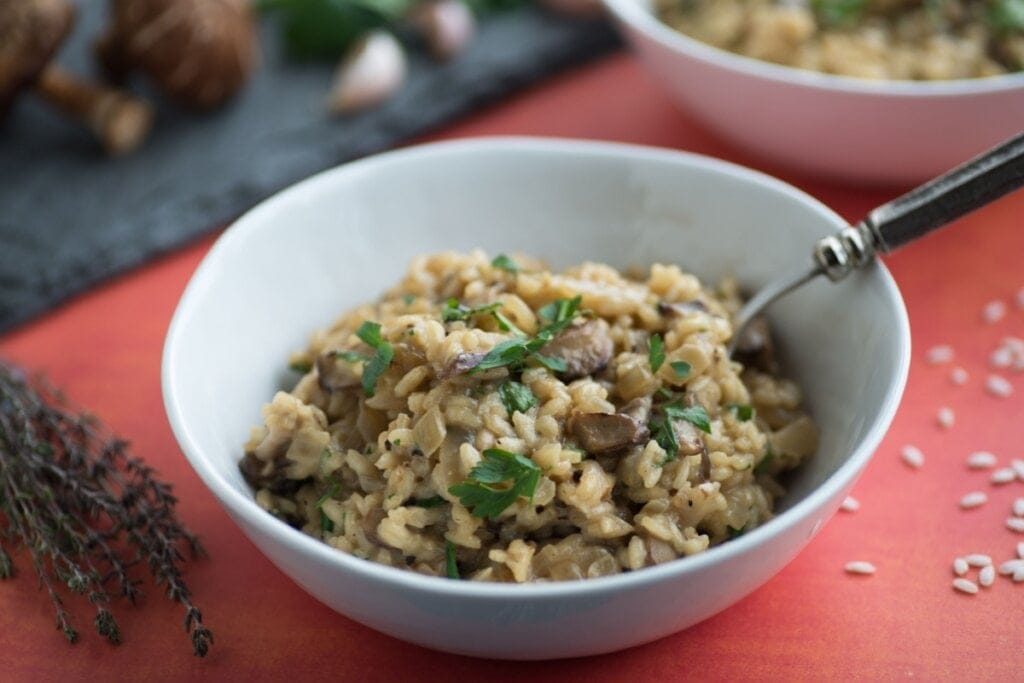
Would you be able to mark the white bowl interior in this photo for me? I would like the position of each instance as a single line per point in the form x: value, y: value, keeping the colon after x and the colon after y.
x: 295, y: 262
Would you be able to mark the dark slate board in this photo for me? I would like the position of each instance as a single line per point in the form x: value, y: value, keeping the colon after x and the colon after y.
x: 70, y: 217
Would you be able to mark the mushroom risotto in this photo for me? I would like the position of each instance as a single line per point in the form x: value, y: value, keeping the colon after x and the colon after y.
x: 492, y: 420
x: 888, y: 39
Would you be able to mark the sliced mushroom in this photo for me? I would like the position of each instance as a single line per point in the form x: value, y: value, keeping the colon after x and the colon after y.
x: 682, y: 307
x: 585, y: 348
x: 463, y: 362
x: 333, y: 373
x: 600, y: 433
x: 271, y: 475
x: 754, y: 346
x: 691, y: 443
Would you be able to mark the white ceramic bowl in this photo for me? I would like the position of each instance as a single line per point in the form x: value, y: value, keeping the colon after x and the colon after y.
x: 293, y: 263
x: 845, y: 128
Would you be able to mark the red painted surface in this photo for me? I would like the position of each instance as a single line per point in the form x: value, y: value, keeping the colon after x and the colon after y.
x: 811, y: 622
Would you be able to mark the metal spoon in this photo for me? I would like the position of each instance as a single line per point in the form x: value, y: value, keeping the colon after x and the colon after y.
x: 938, y: 202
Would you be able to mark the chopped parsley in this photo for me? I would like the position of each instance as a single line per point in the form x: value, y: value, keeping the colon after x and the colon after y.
x: 1006, y: 15
x: 506, y: 325
x: 407, y: 299
x: 326, y: 525
x: 663, y: 432
x: 453, y: 310
x: 505, y: 263
x: 839, y: 12
x: 561, y: 312
x: 450, y: 566
x: 350, y: 356
x: 431, y: 502
x: 681, y: 368
x: 302, y: 366
x: 517, y: 397
x: 656, y: 352
x: 483, y: 499
x: 514, y: 352
x: 551, y: 362
x: 742, y: 411
x: 369, y: 332
x: 766, y: 461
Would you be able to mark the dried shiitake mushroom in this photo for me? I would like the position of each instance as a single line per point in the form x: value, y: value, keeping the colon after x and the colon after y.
x: 198, y: 52
x: 31, y: 31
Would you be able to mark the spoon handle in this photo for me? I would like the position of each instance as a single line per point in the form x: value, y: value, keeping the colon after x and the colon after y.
x: 948, y: 197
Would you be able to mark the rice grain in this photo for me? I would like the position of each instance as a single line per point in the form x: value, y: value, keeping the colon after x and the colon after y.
x: 939, y: 355
x: 1018, y: 507
x: 965, y: 586
x: 1010, y: 566
x: 1003, y: 476
x: 859, y: 567
x: 981, y: 460
x: 850, y: 504
x: 978, y: 560
x: 1018, y: 466
x: 946, y: 417
x: 913, y: 457
x: 973, y: 499
x: 1020, y: 550
x: 998, y: 386
x: 960, y: 566
x: 993, y: 312
x: 987, y: 576
x: 1015, y: 524
x: 958, y: 376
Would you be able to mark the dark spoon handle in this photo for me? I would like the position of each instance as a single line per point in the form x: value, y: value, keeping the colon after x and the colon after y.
x: 948, y: 197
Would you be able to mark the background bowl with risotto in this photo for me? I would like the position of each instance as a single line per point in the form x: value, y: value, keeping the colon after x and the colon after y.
x: 899, y: 93
x: 343, y: 238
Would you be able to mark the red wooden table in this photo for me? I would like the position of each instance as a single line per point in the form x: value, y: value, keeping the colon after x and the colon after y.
x: 811, y: 622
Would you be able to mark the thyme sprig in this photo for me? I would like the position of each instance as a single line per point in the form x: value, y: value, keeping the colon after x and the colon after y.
x: 86, y: 510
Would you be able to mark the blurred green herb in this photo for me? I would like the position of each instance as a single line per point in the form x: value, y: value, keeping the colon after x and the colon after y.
x: 742, y: 411
x: 656, y: 352
x: 1006, y: 15
x: 302, y: 366
x: 369, y: 332
x: 450, y: 566
x: 839, y: 13
x: 505, y: 263
x: 681, y: 368
x: 514, y: 352
x: 431, y: 502
x: 517, y: 397
x: 453, y: 310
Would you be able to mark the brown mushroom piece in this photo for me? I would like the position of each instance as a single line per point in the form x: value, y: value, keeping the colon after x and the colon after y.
x: 197, y: 52
x: 333, y: 373
x: 585, y: 348
x: 31, y: 31
x: 682, y: 307
x: 755, y: 347
x: 601, y: 433
x: 691, y: 443
x: 463, y: 362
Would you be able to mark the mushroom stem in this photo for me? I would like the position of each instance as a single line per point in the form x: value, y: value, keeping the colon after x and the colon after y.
x: 371, y: 71
x: 118, y: 120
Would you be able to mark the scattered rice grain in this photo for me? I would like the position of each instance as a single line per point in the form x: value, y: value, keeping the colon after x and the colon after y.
x: 993, y: 311
x: 965, y: 586
x: 850, y: 504
x: 1015, y: 524
x: 1003, y: 476
x: 1020, y: 550
x: 1017, y: 466
x: 939, y: 355
x: 913, y: 456
x: 859, y: 567
x: 978, y: 560
x: 1010, y: 566
x: 1018, y: 507
x: 958, y: 376
x: 1018, y: 576
x: 1001, y: 358
x: 973, y: 499
x: 946, y: 417
x: 987, y: 576
x: 981, y: 460
x: 998, y: 386
x: 960, y: 566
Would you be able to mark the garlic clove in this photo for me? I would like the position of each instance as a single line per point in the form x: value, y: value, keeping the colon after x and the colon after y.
x: 447, y: 26
x: 370, y: 72
x: 575, y: 8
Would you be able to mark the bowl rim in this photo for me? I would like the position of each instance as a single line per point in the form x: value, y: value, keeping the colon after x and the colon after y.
x: 631, y: 12
x: 244, y: 507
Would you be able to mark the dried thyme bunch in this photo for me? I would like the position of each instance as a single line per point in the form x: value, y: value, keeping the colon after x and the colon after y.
x: 86, y: 510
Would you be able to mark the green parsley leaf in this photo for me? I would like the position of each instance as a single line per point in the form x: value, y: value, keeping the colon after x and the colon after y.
x: 742, y: 411
x: 453, y: 310
x: 506, y: 325
x: 514, y: 352
x: 662, y: 432
x: 734, y: 532
x: 497, y: 466
x: 695, y: 415
x: 369, y: 333
x: 551, y: 362
x: 407, y: 299
x: 326, y: 525
x: 681, y: 368
x: 331, y: 491
x: 656, y: 352
x: 302, y: 366
x: 561, y: 310
x: 505, y: 263
x: 516, y: 397
x: 450, y: 566
x: 1006, y: 15
x: 766, y: 461
x: 431, y: 502
x: 839, y: 12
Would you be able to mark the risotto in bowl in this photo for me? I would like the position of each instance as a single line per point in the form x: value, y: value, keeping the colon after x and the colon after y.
x: 872, y: 91
x: 509, y: 414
